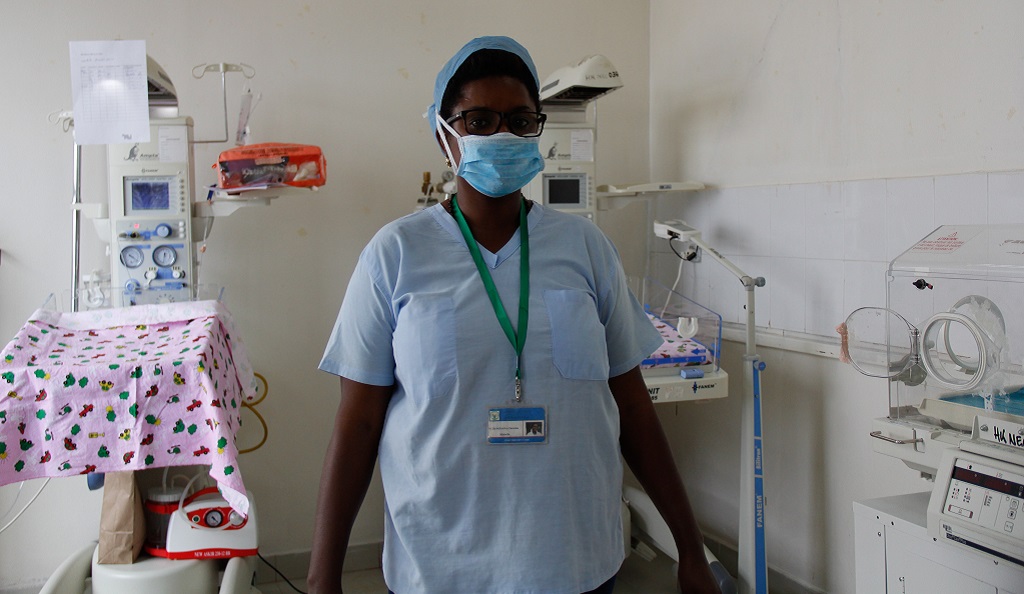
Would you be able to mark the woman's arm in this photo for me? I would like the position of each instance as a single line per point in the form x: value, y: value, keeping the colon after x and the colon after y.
x: 348, y: 468
x: 647, y: 452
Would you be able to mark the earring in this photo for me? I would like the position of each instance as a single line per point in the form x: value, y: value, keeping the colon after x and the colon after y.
x: 448, y: 162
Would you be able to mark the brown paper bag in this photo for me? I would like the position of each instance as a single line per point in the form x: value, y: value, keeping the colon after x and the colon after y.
x: 122, y: 524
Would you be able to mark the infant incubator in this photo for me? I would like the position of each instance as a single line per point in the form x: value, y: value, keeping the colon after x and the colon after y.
x: 950, y: 344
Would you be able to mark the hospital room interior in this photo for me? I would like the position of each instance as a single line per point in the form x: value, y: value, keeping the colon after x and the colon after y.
x: 804, y: 190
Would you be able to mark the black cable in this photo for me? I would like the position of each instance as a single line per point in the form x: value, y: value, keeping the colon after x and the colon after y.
x: 688, y: 258
x: 673, y: 246
x: 279, y: 573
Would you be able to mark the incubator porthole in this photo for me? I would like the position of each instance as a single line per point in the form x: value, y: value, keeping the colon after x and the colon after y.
x: 956, y: 351
x: 132, y: 257
x: 165, y: 256
x: 879, y: 342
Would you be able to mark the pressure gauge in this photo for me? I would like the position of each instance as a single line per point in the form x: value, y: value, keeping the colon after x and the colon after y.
x: 448, y: 185
x: 132, y: 257
x: 165, y: 256
x: 214, y: 518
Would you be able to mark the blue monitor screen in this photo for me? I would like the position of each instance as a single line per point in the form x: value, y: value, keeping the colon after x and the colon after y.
x: 150, y: 195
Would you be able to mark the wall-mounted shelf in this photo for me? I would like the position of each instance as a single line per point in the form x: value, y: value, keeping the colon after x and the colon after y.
x: 222, y: 202
x: 611, y: 197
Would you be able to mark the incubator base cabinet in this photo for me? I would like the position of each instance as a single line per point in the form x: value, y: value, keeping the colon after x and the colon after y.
x: 895, y: 554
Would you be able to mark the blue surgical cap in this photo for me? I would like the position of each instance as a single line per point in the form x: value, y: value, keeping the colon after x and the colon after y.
x: 480, y: 43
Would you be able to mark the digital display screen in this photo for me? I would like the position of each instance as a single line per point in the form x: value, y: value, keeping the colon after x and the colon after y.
x: 150, y: 195
x: 987, y: 481
x: 559, y: 190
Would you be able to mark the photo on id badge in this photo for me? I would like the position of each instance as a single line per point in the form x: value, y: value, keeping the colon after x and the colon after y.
x: 511, y: 425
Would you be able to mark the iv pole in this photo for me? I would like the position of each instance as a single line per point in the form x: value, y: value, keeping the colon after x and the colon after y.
x: 76, y: 226
x: 753, y: 563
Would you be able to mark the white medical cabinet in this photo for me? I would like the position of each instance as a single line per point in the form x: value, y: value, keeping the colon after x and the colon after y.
x: 895, y: 554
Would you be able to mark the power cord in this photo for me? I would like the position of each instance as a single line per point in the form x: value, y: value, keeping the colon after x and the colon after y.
x: 278, y: 572
x: 252, y: 407
x: 23, y: 509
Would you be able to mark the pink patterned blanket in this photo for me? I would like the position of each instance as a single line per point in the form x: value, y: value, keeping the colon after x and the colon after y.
x: 124, y: 389
x: 675, y: 351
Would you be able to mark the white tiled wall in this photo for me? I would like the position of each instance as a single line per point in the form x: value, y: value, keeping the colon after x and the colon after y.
x: 823, y: 248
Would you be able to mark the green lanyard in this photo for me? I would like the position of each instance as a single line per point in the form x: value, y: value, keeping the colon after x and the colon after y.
x: 517, y: 340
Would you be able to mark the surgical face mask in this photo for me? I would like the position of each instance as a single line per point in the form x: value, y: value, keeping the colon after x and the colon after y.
x: 496, y: 165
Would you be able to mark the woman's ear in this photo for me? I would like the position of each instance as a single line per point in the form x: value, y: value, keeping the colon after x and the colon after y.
x: 449, y: 149
x: 440, y: 142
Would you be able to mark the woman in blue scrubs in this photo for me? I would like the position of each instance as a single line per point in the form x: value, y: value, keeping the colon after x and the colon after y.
x: 489, y: 350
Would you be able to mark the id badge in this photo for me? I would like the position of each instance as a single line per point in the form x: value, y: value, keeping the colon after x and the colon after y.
x: 511, y: 425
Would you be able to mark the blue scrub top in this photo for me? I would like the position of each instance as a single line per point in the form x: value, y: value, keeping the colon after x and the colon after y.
x: 462, y: 515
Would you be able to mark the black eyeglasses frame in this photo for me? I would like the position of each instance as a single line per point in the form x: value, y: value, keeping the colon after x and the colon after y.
x: 502, y: 117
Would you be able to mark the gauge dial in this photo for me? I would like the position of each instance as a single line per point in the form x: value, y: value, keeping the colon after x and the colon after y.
x: 132, y: 257
x: 214, y: 518
x: 165, y: 256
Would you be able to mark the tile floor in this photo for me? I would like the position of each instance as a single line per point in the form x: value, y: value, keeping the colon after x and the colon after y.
x: 636, y: 577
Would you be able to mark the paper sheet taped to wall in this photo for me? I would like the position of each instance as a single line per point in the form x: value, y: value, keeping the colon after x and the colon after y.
x: 109, y: 90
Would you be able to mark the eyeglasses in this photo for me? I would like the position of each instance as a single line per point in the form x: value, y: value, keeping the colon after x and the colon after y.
x: 484, y: 122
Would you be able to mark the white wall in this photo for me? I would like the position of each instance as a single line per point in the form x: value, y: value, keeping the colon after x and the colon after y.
x: 804, y: 91
x: 833, y: 135
x: 351, y: 77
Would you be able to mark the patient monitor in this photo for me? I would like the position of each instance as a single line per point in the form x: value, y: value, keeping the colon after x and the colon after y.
x: 151, y: 221
x: 147, y: 221
x: 568, y: 144
x: 150, y: 225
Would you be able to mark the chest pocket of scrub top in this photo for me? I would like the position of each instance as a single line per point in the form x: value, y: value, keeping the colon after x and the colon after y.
x: 424, y: 345
x: 578, y: 343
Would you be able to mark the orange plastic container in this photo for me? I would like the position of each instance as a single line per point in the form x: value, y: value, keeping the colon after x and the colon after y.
x: 299, y: 165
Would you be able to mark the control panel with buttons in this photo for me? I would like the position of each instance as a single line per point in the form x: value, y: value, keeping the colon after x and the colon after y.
x: 150, y: 185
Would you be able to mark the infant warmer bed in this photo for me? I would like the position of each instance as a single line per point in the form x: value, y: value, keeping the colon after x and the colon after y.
x: 686, y: 366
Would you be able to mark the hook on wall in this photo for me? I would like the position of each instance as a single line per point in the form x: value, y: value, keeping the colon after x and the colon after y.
x: 223, y: 68
x: 201, y: 69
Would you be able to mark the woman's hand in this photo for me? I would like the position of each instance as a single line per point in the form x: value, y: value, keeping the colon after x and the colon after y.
x: 695, y: 576
x: 348, y: 467
x: 649, y: 456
